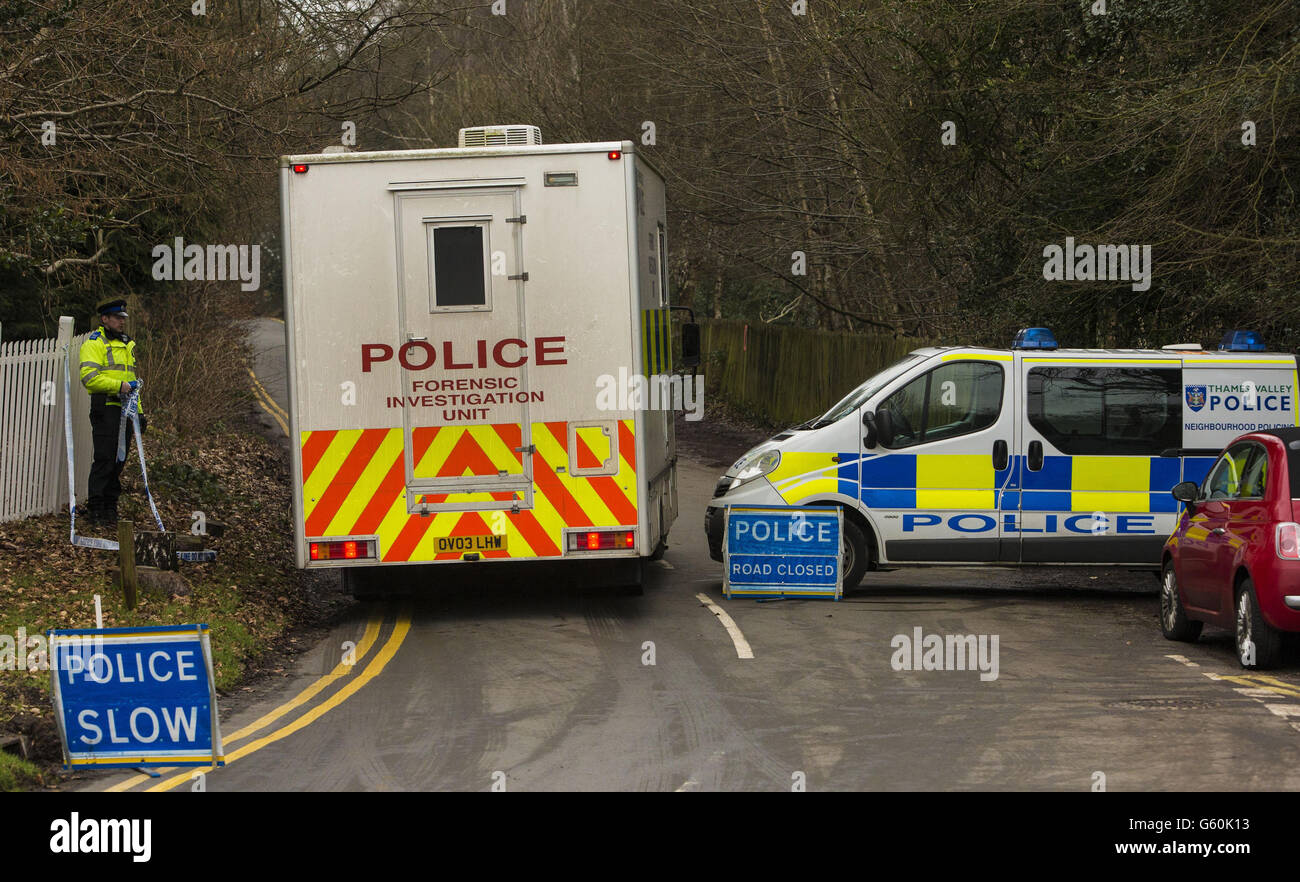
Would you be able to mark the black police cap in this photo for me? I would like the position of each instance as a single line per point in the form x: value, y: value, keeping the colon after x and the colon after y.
x: 112, y: 307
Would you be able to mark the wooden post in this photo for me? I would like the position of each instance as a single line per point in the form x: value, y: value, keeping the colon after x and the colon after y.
x: 126, y: 549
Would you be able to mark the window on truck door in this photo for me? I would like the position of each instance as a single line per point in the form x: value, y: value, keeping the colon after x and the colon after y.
x: 952, y: 400
x: 1105, y: 411
x: 458, y: 267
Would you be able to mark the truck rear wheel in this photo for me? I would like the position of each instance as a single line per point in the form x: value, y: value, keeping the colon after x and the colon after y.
x: 360, y: 583
x: 627, y: 576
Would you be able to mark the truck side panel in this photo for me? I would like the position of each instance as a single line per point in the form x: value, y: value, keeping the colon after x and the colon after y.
x: 652, y: 300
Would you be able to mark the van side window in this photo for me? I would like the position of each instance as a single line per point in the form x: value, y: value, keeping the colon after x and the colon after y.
x: 1105, y: 411
x: 951, y: 400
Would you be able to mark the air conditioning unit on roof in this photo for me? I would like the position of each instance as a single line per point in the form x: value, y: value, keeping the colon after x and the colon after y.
x: 500, y: 136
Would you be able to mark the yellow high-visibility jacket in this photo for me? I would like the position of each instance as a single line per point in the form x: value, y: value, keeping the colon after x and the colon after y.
x: 106, y: 364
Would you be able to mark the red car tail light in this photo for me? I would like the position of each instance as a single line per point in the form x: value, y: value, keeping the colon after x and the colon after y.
x: 1288, y: 541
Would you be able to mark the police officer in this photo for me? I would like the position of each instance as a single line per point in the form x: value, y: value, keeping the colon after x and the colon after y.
x: 108, y: 373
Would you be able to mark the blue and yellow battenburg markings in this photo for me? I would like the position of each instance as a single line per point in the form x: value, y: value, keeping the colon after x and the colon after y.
x: 656, y: 342
x: 968, y: 481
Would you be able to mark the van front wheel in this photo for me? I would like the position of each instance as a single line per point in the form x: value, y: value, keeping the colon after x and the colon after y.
x: 854, y: 555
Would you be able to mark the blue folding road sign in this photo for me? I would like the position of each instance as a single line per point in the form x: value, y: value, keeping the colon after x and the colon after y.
x: 782, y: 551
x: 136, y: 696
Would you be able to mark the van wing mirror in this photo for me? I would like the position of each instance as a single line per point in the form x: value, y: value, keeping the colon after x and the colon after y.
x: 885, y: 427
x: 1186, y: 492
x: 690, y: 345
x: 869, y: 423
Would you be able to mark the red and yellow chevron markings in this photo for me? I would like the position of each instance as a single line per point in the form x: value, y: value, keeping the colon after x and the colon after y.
x: 354, y: 484
x: 456, y: 451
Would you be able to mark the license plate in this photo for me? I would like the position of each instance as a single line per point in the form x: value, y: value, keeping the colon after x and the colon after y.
x: 462, y: 544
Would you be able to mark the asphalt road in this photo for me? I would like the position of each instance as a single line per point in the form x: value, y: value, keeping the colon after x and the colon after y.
x: 545, y: 686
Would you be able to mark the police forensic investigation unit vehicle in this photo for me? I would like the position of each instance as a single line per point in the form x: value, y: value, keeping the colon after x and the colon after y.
x: 1037, y: 455
x: 451, y: 314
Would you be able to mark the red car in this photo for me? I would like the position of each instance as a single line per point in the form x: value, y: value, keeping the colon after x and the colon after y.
x: 1234, y: 560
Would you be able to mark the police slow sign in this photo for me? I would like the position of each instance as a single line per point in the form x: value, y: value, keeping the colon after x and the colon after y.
x: 136, y: 696
x: 777, y: 551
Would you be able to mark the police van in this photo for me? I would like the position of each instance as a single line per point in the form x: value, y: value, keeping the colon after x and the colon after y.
x: 1036, y: 455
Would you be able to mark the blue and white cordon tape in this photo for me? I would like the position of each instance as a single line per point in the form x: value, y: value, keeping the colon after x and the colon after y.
x: 131, y: 414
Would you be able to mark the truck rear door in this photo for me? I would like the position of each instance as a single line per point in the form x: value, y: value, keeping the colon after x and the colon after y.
x: 465, y: 357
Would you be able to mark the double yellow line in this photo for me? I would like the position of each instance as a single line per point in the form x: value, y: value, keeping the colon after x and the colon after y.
x: 278, y: 413
x: 376, y: 665
x: 1262, y: 681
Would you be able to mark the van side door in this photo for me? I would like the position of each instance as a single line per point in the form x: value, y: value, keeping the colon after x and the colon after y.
x: 1094, y: 487
x: 933, y: 482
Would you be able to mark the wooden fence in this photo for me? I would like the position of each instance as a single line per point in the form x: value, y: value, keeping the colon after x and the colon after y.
x: 33, y: 458
x: 785, y: 375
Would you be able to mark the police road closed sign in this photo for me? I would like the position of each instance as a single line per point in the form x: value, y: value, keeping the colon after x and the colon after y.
x: 778, y: 551
x: 136, y: 696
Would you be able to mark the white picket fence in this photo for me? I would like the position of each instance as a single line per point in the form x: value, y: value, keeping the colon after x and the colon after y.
x: 33, y: 457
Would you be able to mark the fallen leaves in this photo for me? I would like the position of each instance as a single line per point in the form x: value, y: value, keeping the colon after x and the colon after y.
x: 250, y: 595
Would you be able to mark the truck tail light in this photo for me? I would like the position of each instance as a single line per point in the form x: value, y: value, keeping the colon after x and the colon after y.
x: 1288, y: 541
x: 602, y: 540
x: 342, y: 549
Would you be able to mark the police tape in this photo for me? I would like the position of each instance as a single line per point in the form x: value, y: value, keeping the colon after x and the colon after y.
x: 130, y: 411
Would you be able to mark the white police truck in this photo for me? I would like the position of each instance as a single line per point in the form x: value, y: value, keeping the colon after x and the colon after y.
x: 1033, y: 455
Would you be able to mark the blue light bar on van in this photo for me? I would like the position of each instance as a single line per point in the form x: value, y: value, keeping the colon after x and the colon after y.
x: 1242, y: 341
x: 1034, y: 338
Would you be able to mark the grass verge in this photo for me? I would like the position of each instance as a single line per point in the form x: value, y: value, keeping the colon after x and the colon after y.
x: 17, y: 773
x: 250, y: 597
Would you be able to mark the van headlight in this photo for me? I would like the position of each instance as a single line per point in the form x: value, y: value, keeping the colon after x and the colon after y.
x: 754, y: 464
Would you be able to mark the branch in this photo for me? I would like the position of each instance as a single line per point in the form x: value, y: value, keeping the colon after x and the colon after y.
x: 78, y: 261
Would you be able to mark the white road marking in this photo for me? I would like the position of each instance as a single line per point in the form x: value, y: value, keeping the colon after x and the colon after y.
x: 1256, y: 693
x: 664, y: 565
x: 742, y: 645
x: 1259, y: 693
x: 692, y: 783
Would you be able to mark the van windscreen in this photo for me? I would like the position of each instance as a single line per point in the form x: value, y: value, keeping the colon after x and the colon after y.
x: 855, y: 399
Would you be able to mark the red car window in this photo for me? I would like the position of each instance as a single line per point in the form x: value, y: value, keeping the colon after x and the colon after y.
x: 1255, y: 480
x: 1224, y: 481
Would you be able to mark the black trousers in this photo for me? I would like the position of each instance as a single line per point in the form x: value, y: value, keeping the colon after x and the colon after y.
x: 104, y: 485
